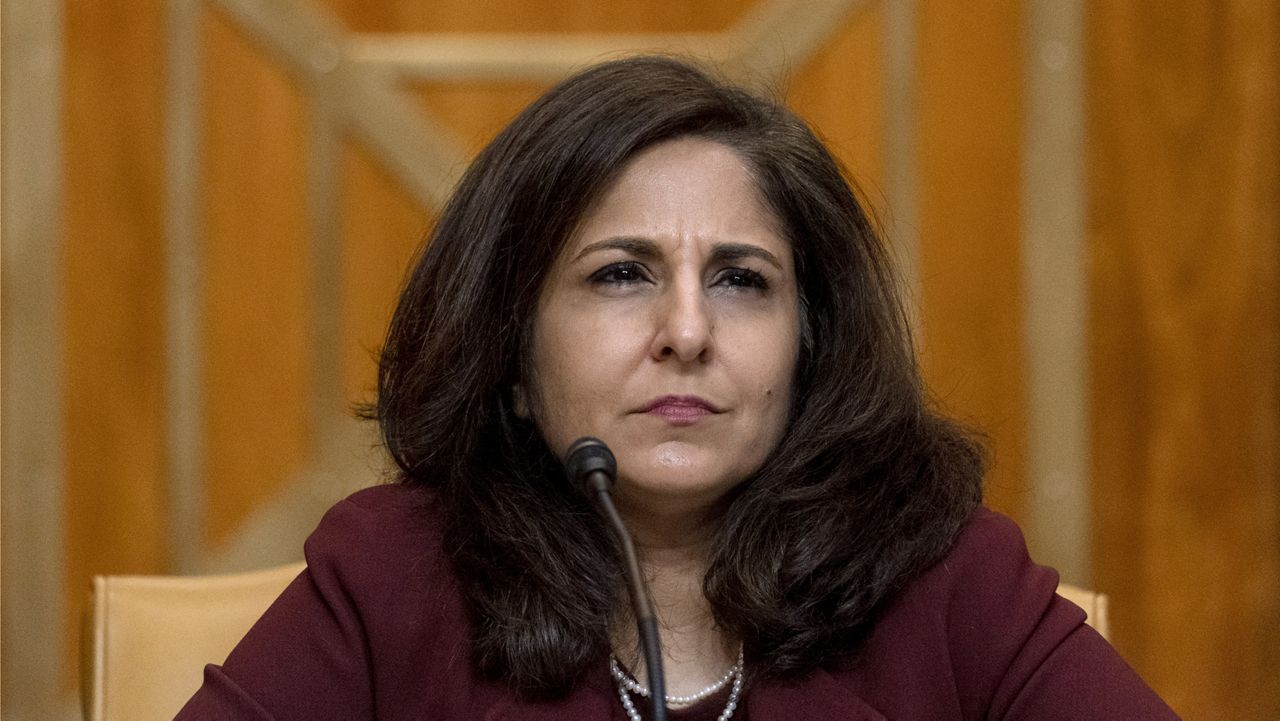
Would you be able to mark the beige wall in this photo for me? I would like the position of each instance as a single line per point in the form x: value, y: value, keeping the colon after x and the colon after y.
x: 1182, y: 323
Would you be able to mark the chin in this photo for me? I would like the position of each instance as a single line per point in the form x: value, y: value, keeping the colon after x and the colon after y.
x: 688, y: 484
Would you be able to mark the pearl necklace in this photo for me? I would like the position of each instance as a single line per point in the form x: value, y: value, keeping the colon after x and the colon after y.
x: 628, y: 685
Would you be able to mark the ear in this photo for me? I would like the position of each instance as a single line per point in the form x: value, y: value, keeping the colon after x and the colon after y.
x: 520, y: 401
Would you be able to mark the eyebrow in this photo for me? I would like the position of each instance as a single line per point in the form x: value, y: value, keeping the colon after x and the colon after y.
x: 723, y: 252
x: 646, y: 249
x: 639, y: 247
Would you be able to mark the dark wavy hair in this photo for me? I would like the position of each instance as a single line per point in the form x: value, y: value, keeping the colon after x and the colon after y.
x: 867, y: 487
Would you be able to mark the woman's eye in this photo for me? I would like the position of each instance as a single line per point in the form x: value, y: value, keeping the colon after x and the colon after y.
x: 742, y: 278
x: 619, y: 274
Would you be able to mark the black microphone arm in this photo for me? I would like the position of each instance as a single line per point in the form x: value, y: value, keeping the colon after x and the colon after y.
x: 591, y: 465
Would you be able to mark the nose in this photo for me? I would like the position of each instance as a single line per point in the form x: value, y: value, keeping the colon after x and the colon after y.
x: 684, y: 325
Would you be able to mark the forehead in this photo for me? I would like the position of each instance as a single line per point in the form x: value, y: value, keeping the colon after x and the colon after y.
x: 688, y: 188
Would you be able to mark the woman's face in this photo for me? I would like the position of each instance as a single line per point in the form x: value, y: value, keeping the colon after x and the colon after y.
x: 669, y: 327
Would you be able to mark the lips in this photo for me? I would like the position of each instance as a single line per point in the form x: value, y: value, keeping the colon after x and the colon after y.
x: 680, y: 410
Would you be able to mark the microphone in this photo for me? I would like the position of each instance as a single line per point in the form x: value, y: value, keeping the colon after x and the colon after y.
x: 591, y: 466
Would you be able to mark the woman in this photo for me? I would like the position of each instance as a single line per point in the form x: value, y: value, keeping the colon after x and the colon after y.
x: 679, y: 268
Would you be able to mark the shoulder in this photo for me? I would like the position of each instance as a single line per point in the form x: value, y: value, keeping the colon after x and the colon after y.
x: 378, y: 525
x: 983, y: 634
x: 989, y: 571
x: 1002, y: 613
x: 381, y: 547
x: 987, y: 575
x: 1019, y: 649
x: 998, y: 599
x: 957, y: 627
x: 375, y: 517
x: 389, y: 501
x: 360, y: 627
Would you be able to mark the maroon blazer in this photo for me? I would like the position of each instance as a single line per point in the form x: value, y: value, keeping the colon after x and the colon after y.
x: 375, y: 628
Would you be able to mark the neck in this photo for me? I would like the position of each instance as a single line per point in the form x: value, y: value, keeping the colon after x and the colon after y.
x: 673, y: 551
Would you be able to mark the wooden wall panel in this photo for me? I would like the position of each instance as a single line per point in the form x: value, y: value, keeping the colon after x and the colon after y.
x: 113, y: 285
x: 1184, y: 153
x: 522, y: 16
x: 382, y: 228
x: 970, y: 113
x: 255, y: 276
x: 475, y: 113
x: 841, y: 93
x: 1185, y: 238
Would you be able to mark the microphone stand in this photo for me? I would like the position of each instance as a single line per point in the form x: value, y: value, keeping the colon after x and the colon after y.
x: 591, y: 464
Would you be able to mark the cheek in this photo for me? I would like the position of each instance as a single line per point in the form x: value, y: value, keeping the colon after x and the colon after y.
x: 578, y: 370
x: 775, y: 397
x: 774, y: 372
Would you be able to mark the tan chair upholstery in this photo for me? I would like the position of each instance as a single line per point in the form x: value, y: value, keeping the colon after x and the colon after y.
x: 149, y: 637
x: 1094, y: 605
